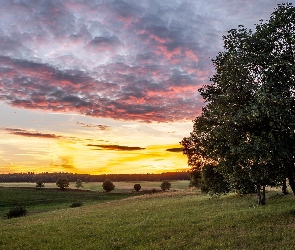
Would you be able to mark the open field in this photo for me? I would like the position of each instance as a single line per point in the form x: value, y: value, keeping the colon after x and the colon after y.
x: 171, y: 220
x: 37, y: 201
x: 51, y: 198
x: 124, y: 186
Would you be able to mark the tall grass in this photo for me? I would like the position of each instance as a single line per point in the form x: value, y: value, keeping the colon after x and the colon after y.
x: 173, y: 220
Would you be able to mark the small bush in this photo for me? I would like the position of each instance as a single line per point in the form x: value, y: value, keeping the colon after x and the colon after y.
x: 79, y: 183
x: 137, y: 187
x: 166, y: 185
x: 76, y: 204
x: 16, y: 212
x: 153, y: 191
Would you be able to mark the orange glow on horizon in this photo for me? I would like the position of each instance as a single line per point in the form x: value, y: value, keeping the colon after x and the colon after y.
x: 76, y: 156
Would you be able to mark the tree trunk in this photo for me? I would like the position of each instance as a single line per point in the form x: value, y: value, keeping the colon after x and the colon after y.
x: 258, y: 194
x: 260, y: 197
x: 284, y: 187
x: 290, y: 176
x: 263, y: 195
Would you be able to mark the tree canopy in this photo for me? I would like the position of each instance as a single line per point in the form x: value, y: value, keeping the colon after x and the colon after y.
x: 79, y: 183
x: 247, y: 127
x: 62, y: 183
x: 40, y: 183
x: 108, y: 185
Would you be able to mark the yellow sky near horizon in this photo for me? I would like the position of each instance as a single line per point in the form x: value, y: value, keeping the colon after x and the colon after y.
x: 80, y: 144
x: 76, y: 157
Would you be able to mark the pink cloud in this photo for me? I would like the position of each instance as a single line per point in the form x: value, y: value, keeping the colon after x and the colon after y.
x: 114, y: 59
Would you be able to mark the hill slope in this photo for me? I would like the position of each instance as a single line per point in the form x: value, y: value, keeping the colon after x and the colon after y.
x: 159, y: 221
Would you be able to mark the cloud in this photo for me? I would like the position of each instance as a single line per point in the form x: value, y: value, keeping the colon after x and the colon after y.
x: 99, y: 126
x: 67, y: 163
x: 6, y: 162
x: 29, y: 133
x: 125, y: 60
x: 174, y: 150
x: 115, y: 147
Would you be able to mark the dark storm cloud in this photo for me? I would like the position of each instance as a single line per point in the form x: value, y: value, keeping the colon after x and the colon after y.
x: 126, y: 60
x: 115, y: 147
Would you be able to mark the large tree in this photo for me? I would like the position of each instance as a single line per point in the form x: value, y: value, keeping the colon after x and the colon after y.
x: 247, y: 126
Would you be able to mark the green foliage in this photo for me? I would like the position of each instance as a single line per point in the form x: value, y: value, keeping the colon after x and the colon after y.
x: 79, y: 183
x: 62, y: 183
x: 242, y: 182
x: 247, y: 127
x: 40, y: 183
x: 209, y: 180
x: 195, y: 175
x: 17, y: 211
x: 137, y: 187
x: 76, y: 204
x: 165, y: 185
x: 213, y: 182
x: 108, y: 185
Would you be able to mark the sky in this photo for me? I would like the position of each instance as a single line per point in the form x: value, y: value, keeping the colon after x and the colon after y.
x: 98, y: 86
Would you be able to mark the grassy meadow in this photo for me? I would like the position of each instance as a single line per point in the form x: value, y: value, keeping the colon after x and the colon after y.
x: 52, y: 198
x: 123, y: 186
x: 172, y: 220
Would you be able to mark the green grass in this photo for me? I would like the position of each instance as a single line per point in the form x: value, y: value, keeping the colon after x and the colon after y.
x: 173, y: 220
x: 124, y: 186
x: 36, y: 200
x: 51, y: 198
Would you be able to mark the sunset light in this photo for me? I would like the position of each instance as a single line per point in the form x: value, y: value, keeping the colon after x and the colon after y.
x: 107, y: 86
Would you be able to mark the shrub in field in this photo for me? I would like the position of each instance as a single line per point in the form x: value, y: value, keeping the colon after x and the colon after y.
x: 137, y: 187
x: 78, y: 183
x: 108, y: 185
x: 76, y: 204
x: 17, y: 211
x: 153, y: 191
x: 62, y: 183
x: 40, y: 184
x: 165, y: 185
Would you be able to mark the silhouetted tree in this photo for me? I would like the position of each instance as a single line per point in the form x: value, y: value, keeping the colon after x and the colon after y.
x: 108, y: 185
x: 165, y: 185
x: 40, y: 183
x: 78, y: 183
x: 62, y: 183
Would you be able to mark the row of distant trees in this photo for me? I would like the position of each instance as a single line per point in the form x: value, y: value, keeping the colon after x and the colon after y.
x: 72, y: 177
x: 107, y: 184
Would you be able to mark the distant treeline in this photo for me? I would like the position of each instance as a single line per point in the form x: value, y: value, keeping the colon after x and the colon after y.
x: 72, y: 177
